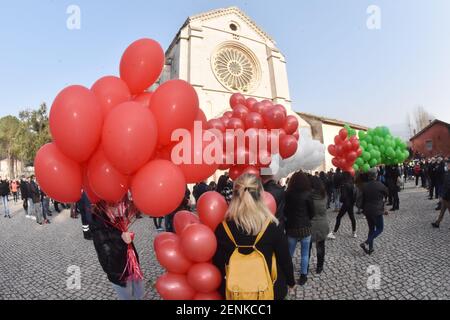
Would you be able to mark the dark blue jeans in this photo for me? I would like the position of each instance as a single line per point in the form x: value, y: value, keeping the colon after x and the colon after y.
x: 376, y: 225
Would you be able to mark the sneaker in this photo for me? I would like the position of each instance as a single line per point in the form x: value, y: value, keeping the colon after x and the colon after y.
x: 331, y: 236
x: 27, y: 216
x: 33, y: 218
x: 354, y: 235
x: 303, y: 279
x: 435, y: 225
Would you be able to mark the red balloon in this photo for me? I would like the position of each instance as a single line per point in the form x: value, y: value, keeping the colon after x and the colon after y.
x: 182, y: 219
x: 338, y: 140
x: 343, y: 134
x: 339, y: 150
x: 335, y: 162
x: 106, y: 181
x: 142, y: 64
x: 92, y: 196
x: 359, y: 152
x: 162, y: 237
x: 282, y: 108
x: 270, y: 202
x: 204, y: 277
x: 171, y: 257
x: 144, y: 98
x: 202, y: 118
x: 59, y: 176
x: 164, y: 153
x: 197, y: 167
x: 228, y: 114
x: 291, y: 125
x: 342, y: 163
x: 211, y: 208
x: 347, y: 145
x: 355, y: 143
x: 129, y: 136
x: 174, y: 287
x: 237, y: 99
x: 274, y: 118
x: 288, y: 146
x: 351, y: 157
x: 267, y: 103
x: 158, y: 188
x: 250, y: 102
x: 235, y: 123
x: 257, y: 107
x: 273, y: 141
x: 76, y: 122
x: 110, y: 92
x: 296, y: 135
x: 332, y: 149
x: 235, y: 172
x: 208, y: 296
x: 254, y: 120
x: 240, y: 112
x: 351, y: 171
x: 198, y: 242
x: 225, y: 120
x: 253, y: 170
x: 216, y: 124
x: 175, y: 106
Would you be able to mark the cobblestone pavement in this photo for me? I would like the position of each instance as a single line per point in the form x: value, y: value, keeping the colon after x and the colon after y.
x: 411, y: 258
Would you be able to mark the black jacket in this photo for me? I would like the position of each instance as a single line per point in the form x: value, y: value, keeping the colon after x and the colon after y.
x: 110, y: 247
x: 273, y: 241
x: 446, y: 187
x: 4, y: 188
x: 337, y: 180
x: 199, y: 189
x: 24, y: 189
x: 299, y: 210
x: 373, y: 193
x: 278, y: 193
x: 34, y: 192
x: 348, y: 195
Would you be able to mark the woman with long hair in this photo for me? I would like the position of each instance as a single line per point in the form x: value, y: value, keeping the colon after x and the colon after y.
x: 246, y: 218
x: 319, y: 223
x: 299, y: 210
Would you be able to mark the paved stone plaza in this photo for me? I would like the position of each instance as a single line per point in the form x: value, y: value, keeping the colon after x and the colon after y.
x: 411, y: 258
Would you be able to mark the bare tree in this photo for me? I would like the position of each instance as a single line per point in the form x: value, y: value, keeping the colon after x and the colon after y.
x: 419, y: 119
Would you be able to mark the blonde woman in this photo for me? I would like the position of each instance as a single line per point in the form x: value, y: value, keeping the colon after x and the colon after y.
x: 247, y: 216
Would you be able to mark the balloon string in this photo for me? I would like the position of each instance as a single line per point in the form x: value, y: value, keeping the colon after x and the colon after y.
x: 132, y: 268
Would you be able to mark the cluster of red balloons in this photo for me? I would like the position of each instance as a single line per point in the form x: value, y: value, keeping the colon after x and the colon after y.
x: 264, y: 123
x: 114, y: 137
x: 345, y: 151
x: 186, y: 254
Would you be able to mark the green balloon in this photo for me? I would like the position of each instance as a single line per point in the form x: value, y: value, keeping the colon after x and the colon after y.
x: 365, y: 168
x: 373, y: 162
x: 356, y: 167
x: 378, y: 131
x: 385, y: 131
x: 390, y: 152
x: 359, y: 162
x: 369, y: 147
x: 373, y: 153
x: 361, y: 135
x: 363, y: 144
x: 382, y: 148
x: 366, y: 155
x: 376, y: 140
x: 369, y: 139
x: 370, y: 132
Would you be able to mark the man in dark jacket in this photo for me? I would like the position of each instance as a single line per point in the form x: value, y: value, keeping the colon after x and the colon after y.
x: 4, y: 192
x: 24, y: 193
x: 35, y: 196
x: 337, y: 184
x: 278, y: 194
x: 445, y: 197
x: 439, y: 174
x: 373, y: 194
x: 199, y: 189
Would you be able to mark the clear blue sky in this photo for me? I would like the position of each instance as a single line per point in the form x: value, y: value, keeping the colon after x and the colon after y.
x: 337, y: 67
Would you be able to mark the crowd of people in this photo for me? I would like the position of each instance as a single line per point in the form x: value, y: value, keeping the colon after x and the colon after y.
x: 301, y: 219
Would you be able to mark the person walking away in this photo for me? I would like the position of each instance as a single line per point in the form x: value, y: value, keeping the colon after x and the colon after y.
x: 445, y: 196
x: 36, y: 199
x: 337, y: 184
x: 278, y: 194
x: 432, y: 168
x: 348, y: 198
x: 24, y: 194
x: 111, y: 246
x: 440, y: 174
x: 45, y: 203
x: 319, y: 223
x: 86, y: 215
x: 299, y: 210
x: 373, y: 208
x: 393, y: 186
x: 251, y: 228
x: 417, y: 173
x: 328, y: 184
x: 4, y: 191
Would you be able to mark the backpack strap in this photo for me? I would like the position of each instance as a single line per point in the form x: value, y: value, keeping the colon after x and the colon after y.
x: 229, y: 234
x: 261, y: 233
x: 258, y: 237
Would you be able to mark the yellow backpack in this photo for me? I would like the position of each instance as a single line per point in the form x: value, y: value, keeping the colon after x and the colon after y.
x: 247, y: 275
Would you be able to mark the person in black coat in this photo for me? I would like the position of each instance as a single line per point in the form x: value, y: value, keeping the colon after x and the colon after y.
x: 392, y: 175
x: 278, y: 194
x: 24, y: 194
x: 4, y: 192
x: 348, y: 199
x: 246, y: 217
x: 111, y: 245
x: 337, y: 184
x: 445, y: 196
x: 373, y: 207
x: 299, y: 211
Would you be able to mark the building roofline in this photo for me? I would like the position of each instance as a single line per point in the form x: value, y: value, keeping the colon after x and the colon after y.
x: 432, y: 123
x: 218, y: 12
x: 332, y: 121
